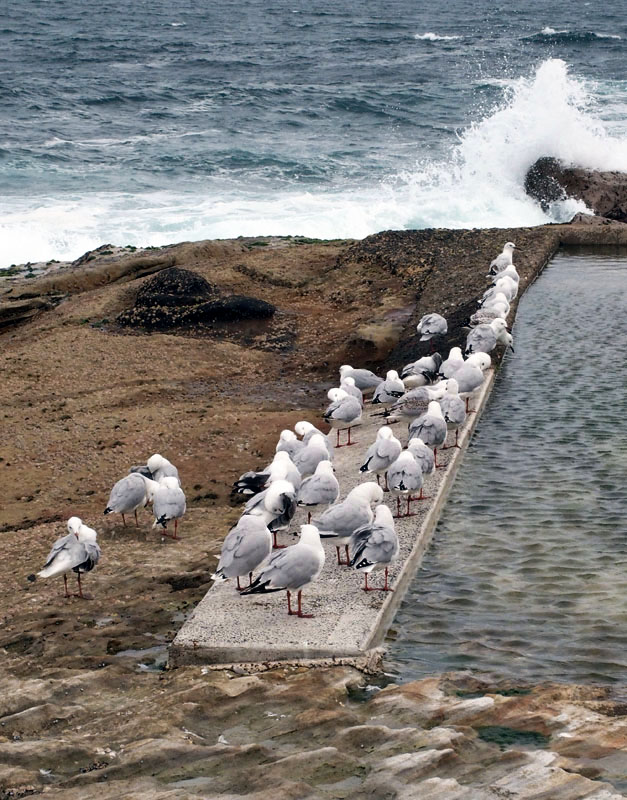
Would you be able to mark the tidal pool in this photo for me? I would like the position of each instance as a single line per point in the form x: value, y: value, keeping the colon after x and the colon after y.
x: 526, y: 577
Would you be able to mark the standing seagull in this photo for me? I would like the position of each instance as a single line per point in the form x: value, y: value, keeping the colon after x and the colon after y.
x: 471, y: 375
x: 432, y: 325
x: 375, y: 546
x: 453, y: 409
x: 388, y: 392
x: 280, y: 468
x: 381, y: 454
x: 425, y: 460
x: 321, y: 489
x: 405, y: 477
x: 343, y: 414
x: 127, y: 495
x: 364, y: 379
x: 454, y: 361
x: 292, y: 569
x: 503, y: 259
x: 246, y: 547
x: 168, y: 503
x: 431, y: 428
x: 78, y: 551
x: 276, y: 505
x: 340, y: 520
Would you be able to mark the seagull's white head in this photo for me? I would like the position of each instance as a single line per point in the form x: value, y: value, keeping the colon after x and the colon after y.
x: 324, y: 468
x: 481, y: 360
x: 303, y: 427
x: 348, y: 381
x: 435, y: 409
x: 155, y: 462
x: 86, y: 534
x: 383, y: 516
x: 336, y: 394
x: 317, y: 440
x: 74, y: 524
x: 509, y: 247
x: 384, y: 432
x: 392, y: 375
x: 452, y: 387
x: 287, y: 436
x: 498, y: 325
x: 344, y: 370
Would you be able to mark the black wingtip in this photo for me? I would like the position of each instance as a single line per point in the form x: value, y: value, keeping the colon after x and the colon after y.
x: 107, y: 510
x: 32, y: 577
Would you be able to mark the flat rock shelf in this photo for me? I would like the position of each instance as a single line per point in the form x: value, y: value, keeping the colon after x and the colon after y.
x: 349, y: 625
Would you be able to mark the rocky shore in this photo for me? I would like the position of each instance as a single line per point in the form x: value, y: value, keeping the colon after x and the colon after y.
x: 89, y: 388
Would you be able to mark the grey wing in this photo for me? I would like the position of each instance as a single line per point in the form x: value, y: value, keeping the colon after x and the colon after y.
x: 67, y: 542
x: 246, y: 546
x: 374, y: 544
x: 89, y: 557
x: 170, y: 504
x: 388, y: 450
x: 468, y: 378
x: 318, y: 490
x: 481, y: 340
x: 406, y: 478
x: 142, y: 469
x: 295, y: 569
x: 127, y: 493
x: 345, y: 410
x: 342, y: 518
x: 307, y: 461
x: 454, y: 409
x: 256, y: 502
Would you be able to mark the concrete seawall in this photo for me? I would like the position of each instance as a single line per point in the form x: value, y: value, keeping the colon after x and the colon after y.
x: 349, y: 624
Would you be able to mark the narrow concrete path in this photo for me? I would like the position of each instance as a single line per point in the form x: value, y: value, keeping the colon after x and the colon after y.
x: 349, y: 624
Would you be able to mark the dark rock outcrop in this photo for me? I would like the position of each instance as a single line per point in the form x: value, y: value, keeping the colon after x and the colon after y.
x: 604, y: 192
x: 179, y: 298
x: 19, y: 311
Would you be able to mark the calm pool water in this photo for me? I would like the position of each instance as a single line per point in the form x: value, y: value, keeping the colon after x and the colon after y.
x: 526, y: 577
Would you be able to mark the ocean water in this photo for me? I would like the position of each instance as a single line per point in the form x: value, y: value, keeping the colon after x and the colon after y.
x: 151, y: 122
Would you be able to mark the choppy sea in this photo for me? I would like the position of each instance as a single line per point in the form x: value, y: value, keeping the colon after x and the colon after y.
x: 146, y: 123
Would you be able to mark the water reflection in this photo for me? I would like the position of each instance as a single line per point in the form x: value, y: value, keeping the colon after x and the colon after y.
x: 527, y: 574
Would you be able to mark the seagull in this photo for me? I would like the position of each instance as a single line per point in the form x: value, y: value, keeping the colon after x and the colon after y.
x: 127, y: 495
x: 414, y: 403
x: 348, y: 385
x: 246, y: 546
x: 431, y: 428
x: 281, y: 468
x: 504, y: 259
x: 424, y: 458
x: 388, y: 392
x: 510, y: 273
x: 364, y: 378
x: 340, y: 520
x: 497, y: 302
x: 431, y: 325
x: 288, y: 443
x: 343, y: 414
x: 453, y: 409
x: 292, y: 569
x: 160, y: 467
x: 321, y: 489
x: 77, y: 551
x: 471, y: 375
x: 405, y: 477
x: 168, y: 503
x: 421, y: 372
x: 453, y: 362
x: 381, y: 454
x: 375, y: 546
x: 276, y: 505
x: 484, y: 338
x: 310, y: 456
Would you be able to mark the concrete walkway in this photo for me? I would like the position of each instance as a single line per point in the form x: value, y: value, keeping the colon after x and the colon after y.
x: 349, y: 624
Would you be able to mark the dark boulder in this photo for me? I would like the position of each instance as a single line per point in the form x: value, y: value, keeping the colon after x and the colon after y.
x: 604, y: 192
x: 179, y: 298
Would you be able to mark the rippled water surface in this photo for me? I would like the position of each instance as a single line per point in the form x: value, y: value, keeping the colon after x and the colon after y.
x: 527, y: 574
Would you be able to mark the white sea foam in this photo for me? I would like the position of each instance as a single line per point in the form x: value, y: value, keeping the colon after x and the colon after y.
x: 434, y: 37
x: 480, y: 184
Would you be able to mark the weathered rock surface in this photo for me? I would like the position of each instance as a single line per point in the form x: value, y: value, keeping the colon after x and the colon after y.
x: 605, y: 193
x: 180, y: 298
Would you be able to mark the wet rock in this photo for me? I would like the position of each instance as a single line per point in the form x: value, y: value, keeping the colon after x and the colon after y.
x: 180, y: 298
x: 605, y: 193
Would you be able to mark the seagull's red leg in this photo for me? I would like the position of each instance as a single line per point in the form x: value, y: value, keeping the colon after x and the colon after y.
x: 275, y: 544
x: 67, y: 594
x: 300, y: 610
x: 308, y: 517
x: 123, y: 521
x: 387, y: 588
x: 239, y: 588
x: 338, y: 554
x: 289, y: 605
x: 136, y: 520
